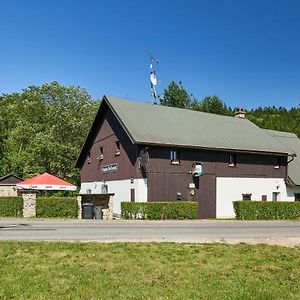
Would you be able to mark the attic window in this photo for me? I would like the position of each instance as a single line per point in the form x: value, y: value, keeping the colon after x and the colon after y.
x: 117, y: 148
x: 89, y: 158
x: 174, y: 156
x: 277, y: 162
x: 232, y: 159
x: 100, y: 157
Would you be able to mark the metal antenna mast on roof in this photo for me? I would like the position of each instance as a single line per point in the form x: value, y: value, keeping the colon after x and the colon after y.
x: 153, y: 77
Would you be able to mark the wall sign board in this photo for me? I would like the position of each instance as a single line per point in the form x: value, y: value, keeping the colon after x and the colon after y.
x: 112, y: 168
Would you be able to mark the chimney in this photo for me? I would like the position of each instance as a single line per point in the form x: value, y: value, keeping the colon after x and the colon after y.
x: 240, y: 113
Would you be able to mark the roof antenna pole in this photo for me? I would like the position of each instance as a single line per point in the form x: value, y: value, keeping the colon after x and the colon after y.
x: 153, y: 78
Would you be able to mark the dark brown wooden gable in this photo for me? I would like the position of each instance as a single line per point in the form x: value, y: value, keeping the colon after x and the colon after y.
x: 101, y: 151
x: 10, y: 179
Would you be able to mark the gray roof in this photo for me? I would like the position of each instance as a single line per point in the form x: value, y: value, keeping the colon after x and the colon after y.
x: 292, y: 142
x: 155, y: 124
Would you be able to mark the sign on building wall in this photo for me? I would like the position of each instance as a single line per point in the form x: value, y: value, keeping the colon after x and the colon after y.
x: 112, y: 168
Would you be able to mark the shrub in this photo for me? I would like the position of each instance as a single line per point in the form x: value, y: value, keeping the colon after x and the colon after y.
x: 64, y: 207
x: 159, y: 210
x: 264, y: 210
x: 11, y: 207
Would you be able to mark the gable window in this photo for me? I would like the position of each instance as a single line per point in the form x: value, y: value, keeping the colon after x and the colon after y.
x: 117, y: 148
x: 277, y: 163
x: 246, y: 197
x: 174, y: 156
x: 89, y: 158
x: 297, y: 196
x: 232, y: 159
x: 100, y: 157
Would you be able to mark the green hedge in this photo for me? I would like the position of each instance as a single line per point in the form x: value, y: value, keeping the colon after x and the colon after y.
x: 63, y: 207
x: 11, y: 207
x: 266, y: 210
x: 159, y: 210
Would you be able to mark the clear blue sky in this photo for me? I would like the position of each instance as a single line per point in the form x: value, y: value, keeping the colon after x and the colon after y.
x: 245, y: 52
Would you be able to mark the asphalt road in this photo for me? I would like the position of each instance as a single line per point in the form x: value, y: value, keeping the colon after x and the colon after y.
x: 197, y: 231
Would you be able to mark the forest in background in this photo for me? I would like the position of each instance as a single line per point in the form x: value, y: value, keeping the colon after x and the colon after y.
x: 42, y: 128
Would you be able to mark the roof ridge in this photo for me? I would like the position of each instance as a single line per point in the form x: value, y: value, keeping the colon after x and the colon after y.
x: 171, y: 107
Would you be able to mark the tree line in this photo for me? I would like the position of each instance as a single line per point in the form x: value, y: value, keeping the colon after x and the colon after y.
x: 281, y: 119
x: 42, y: 128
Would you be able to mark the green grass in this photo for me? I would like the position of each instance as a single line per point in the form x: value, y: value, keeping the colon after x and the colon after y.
x: 148, y: 271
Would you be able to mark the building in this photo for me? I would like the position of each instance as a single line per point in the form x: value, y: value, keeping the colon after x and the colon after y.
x: 292, y: 142
x: 8, y: 185
x: 144, y: 152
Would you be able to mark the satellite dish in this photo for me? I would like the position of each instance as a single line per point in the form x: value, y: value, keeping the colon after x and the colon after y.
x: 153, y: 78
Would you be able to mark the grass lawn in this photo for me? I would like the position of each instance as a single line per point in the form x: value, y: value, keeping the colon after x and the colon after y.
x: 148, y: 271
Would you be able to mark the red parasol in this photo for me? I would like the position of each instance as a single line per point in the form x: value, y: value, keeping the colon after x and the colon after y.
x: 46, y: 182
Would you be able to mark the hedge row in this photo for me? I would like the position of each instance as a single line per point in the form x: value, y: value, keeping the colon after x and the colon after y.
x: 11, y: 207
x: 264, y: 210
x: 63, y: 207
x: 159, y: 210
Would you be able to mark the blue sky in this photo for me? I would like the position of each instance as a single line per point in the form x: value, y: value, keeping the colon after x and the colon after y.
x: 245, y: 52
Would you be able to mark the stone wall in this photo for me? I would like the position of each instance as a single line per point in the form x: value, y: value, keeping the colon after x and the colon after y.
x: 8, y: 191
x: 108, y: 212
x: 29, y: 205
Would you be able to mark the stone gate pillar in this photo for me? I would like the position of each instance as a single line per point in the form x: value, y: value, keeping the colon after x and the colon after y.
x: 79, y: 202
x: 29, y: 204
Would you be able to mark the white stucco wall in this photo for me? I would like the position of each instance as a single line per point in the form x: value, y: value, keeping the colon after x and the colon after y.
x: 231, y: 189
x: 121, y: 189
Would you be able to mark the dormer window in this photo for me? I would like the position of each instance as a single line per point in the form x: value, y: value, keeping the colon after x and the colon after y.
x: 174, y: 156
x: 232, y: 159
x: 117, y: 148
x: 277, y: 162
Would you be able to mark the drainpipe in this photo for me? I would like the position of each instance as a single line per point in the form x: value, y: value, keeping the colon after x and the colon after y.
x: 289, y: 161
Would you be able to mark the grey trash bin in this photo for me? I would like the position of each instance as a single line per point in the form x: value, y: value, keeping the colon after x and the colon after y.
x: 98, y: 212
x: 87, y: 210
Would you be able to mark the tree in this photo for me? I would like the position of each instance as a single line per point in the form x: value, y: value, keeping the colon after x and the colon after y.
x: 176, y: 96
x: 211, y: 105
x: 43, y: 128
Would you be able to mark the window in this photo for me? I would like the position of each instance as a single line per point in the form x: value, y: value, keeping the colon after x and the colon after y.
x: 246, y: 197
x: 232, y: 159
x: 174, y: 156
x: 275, y: 196
x: 277, y: 162
x: 264, y: 198
x: 100, y: 157
x: 297, y: 196
x: 117, y: 148
x: 89, y: 158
